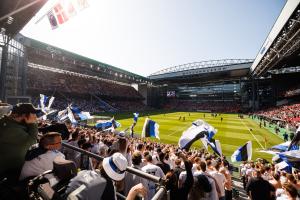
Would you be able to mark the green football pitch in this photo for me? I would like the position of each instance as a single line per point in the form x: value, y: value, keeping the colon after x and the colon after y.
x: 232, y: 131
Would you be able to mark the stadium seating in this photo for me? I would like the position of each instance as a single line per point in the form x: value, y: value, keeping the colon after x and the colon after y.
x: 288, y: 113
x: 189, y: 105
x: 80, y: 89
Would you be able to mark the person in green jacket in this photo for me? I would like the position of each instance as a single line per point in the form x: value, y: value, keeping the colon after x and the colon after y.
x: 18, y: 131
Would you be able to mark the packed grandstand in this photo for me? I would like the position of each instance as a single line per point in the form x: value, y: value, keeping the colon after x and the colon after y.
x: 61, y: 113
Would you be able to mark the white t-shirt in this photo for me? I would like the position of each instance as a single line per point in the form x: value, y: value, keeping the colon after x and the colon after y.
x: 39, y: 164
x: 182, y: 178
x: 194, y: 168
x: 156, y: 171
x: 249, y: 172
x: 220, y: 178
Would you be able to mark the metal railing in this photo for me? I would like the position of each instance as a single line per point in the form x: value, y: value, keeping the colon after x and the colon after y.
x: 157, y: 180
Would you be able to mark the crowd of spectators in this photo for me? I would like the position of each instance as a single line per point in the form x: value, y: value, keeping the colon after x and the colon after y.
x: 124, y: 105
x: 74, y: 83
x: 268, y: 181
x: 85, y: 92
x: 189, y: 105
x: 289, y: 114
x: 188, y: 174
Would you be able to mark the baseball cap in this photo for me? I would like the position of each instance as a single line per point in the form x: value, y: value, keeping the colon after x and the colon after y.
x: 25, y: 108
x: 115, y: 166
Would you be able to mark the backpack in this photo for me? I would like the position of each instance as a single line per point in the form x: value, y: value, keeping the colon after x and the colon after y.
x: 87, y: 184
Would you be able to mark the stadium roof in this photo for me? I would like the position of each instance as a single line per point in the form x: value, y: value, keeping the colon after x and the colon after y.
x: 14, y: 14
x: 212, y: 69
x: 55, y: 50
x: 282, y: 46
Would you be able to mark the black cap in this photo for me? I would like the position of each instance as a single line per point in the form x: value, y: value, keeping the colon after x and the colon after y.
x: 25, y: 108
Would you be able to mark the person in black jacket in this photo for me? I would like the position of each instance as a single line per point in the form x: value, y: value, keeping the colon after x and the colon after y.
x: 183, y: 192
x: 258, y: 188
x: 161, y: 163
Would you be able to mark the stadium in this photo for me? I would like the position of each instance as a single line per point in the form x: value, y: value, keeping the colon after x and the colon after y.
x: 178, y: 112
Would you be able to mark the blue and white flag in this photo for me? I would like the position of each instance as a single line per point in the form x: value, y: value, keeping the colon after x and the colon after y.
x: 80, y: 114
x: 71, y: 116
x: 46, y: 103
x: 243, y: 153
x: 284, y: 166
x: 214, y: 144
x: 150, y: 129
x: 62, y: 115
x: 284, y: 147
x: 211, y: 131
x: 108, y: 124
x: 274, y: 150
x: 199, y: 129
x: 135, y: 117
x: 292, y: 158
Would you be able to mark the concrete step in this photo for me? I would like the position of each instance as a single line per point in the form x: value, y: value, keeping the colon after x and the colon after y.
x: 238, y: 185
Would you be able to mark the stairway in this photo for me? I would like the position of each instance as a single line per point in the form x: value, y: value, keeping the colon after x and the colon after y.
x: 238, y: 185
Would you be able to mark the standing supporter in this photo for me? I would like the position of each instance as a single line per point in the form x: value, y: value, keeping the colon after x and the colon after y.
x: 293, y: 181
x: 154, y: 170
x: 228, y: 183
x: 140, y: 147
x: 123, y: 148
x: 89, y: 184
x: 40, y: 159
x: 196, y: 163
x: 70, y: 153
x: 291, y: 192
x: 258, y: 188
x: 132, y: 179
x: 183, y: 192
x: 86, y: 161
x: 213, y: 194
x: 201, y: 188
x: 276, y: 181
x: 161, y: 163
x: 220, y: 180
x: 177, y: 169
x: 18, y: 132
x: 249, y: 171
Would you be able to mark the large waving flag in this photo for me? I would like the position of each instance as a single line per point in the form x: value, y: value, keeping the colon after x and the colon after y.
x: 46, y: 103
x: 62, y: 115
x: 215, y: 146
x: 274, y: 150
x: 81, y: 115
x: 74, y: 114
x: 108, y: 124
x: 243, y: 153
x: 150, y: 129
x: 71, y: 116
x: 199, y: 129
x: 292, y: 158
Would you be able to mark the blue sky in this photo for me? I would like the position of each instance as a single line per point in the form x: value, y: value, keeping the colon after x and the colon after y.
x: 144, y: 36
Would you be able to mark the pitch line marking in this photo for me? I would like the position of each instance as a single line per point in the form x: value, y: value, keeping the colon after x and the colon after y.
x: 252, y: 134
